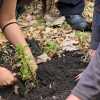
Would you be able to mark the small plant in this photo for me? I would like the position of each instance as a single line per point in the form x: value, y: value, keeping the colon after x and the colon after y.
x: 65, y: 24
x: 26, y: 71
x: 51, y: 47
x: 83, y: 39
x: 40, y: 21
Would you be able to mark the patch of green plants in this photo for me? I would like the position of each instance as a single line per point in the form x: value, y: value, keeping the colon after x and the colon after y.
x: 65, y: 24
x: 83, y: 39
x: 40, y: 21
x: 51, y: 47
x: 25, y: 70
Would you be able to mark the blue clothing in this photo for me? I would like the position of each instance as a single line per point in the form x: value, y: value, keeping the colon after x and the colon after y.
x: 71, y: 7
x: 76, y: 7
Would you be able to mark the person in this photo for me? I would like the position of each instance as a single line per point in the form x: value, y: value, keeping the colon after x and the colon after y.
x: 13, y: 33
x: 72, y: 10
x: 89, y: 83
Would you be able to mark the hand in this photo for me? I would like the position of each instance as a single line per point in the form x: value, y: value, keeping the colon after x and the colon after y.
x: 6, y: 77
x: 72, y: 97
x: 78, y: 76
x: 92, y: 53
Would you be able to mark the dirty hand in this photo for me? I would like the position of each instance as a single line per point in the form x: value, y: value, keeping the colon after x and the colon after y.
x: 92, y: 53
x: 72, y: 97
x: 78, y: 76
x: 6, y: 77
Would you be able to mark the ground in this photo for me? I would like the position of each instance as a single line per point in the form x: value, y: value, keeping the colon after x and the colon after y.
x: 66, y: 55
x: 56, y: 78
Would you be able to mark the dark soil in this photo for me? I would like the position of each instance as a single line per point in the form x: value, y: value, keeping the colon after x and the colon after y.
x: 56, y: 79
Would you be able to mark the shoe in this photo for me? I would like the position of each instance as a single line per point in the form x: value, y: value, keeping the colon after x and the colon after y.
x: 77, y: 22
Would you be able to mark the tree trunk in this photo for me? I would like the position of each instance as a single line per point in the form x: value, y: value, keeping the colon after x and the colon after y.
x: 48, y: 6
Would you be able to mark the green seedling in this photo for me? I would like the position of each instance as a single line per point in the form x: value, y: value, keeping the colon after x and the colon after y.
x: 83, y: 39
x: 40, y: 21
x: 26, y: 71
x: 65, y: 24
x: 51, y: 47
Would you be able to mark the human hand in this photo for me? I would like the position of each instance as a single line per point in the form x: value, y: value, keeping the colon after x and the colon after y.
x: 78, y: 76
x: 6, y: 77
x: 92, y: 53
x: 72, y: 97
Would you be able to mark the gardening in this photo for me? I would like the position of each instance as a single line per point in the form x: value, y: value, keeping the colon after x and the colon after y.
x: 51, y: 59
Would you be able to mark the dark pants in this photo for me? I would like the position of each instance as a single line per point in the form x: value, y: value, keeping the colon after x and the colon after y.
x: 71, y: 7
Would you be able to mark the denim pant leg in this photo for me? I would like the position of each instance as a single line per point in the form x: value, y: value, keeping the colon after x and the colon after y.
x: 71, y: 7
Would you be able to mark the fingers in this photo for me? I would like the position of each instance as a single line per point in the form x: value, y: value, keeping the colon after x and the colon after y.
x: 14, y: 74
x: 78, y: 77
x: 7, y: 77
x: 72, y: 97
x: 92, y: 53
x: 11, y: 79
x: 8, y: 82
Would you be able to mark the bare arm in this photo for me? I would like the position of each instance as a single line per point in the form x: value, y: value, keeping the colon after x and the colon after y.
x: 12, y: 31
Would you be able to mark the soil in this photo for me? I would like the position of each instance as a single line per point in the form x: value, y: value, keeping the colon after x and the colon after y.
x: 56, y: 78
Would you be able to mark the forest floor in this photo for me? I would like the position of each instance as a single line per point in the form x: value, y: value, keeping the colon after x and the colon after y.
x: 62, y: 50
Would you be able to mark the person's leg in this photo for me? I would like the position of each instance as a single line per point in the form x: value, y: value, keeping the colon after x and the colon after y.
x: 72, y: 10
x: 71, y: 7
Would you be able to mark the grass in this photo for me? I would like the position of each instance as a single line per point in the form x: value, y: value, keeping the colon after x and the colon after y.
x: 51, y: 47
x: 83, y: 39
